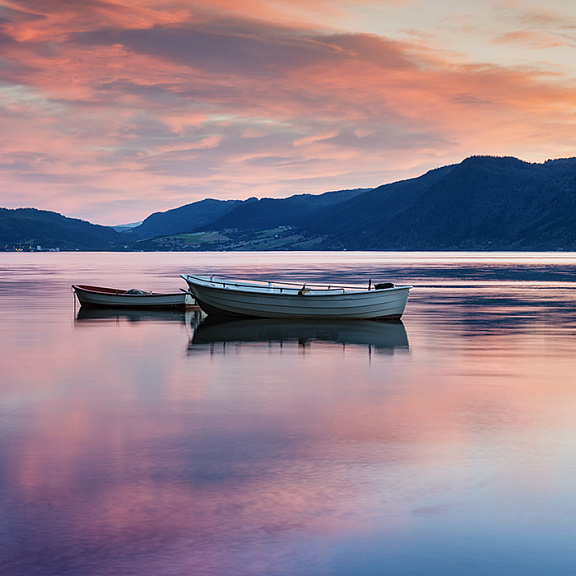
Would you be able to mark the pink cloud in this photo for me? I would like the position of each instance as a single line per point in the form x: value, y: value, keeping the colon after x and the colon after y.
x: 111, y: 102
x: 529, y: 39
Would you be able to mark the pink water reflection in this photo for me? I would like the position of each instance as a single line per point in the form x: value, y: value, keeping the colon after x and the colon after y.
x: 129, y: 449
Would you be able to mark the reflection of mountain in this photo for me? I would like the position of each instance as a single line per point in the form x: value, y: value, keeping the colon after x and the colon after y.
x: 91, y: 315
x: 382, y: 336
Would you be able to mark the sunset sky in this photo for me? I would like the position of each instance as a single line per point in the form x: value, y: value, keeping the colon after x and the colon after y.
x: 113, y: 109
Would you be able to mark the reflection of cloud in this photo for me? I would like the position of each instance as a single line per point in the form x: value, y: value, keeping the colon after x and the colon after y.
x: 149, y: 99
x: 131, y: 453
x: 432, y: 510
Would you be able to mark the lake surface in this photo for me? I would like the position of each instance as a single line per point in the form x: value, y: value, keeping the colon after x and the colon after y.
x: 145, y: 444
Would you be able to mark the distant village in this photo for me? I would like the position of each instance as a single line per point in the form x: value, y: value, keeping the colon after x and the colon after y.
x: 27, y: 248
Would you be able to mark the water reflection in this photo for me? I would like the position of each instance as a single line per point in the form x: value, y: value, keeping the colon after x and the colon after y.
x: 514, y: 309
x: 127, y: 447
x: 88, y: 315
x: 385, y: 337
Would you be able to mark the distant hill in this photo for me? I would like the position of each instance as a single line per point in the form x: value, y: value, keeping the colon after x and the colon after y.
x: 28, y: 227
x: 181, y: 220
x: 483, y: 203
x: 249, y: 215
x: 126, y: 227
x: 360, y: 219
x: 301, y: 210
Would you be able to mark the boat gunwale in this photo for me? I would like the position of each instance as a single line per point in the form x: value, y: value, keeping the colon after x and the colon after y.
x: 101, y: 290
x: 293, y: 289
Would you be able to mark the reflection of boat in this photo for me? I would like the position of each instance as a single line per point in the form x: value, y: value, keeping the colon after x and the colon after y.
x: 380, y: 335
x: 191, y: 317
x: 222, y: 297
x: 110, y: 297
x: 100, y: 314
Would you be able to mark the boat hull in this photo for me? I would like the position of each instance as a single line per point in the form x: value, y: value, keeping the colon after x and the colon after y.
x: 242, y: 300
x: 94, y: 296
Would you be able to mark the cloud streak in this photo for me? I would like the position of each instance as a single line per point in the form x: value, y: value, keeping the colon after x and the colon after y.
x: 145, y: 107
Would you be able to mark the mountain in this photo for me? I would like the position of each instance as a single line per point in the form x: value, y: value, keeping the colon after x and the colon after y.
x: 126, y: 227
x: 365, y: 216
x: 483, y: 203
x: 183, y: 219
x: 252, y: 214
x: 300, y: 210
x: 28, y: 227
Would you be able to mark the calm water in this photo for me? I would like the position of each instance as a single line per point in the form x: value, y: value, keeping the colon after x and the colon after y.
x: 151, y: 445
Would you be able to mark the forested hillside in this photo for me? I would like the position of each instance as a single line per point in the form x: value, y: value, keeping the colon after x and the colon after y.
x: 30, y: 228
x: 483, y: 203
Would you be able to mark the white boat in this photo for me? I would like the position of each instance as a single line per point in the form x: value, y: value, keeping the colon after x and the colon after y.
x: 111, y: 297
x: 224, y: 297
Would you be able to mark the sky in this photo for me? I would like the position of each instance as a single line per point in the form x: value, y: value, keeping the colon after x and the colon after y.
x: 111, y: 110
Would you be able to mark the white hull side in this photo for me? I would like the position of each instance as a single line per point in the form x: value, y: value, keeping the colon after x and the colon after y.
x: 372, y: 304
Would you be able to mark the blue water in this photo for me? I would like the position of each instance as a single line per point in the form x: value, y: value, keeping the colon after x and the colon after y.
x: 165, y: 444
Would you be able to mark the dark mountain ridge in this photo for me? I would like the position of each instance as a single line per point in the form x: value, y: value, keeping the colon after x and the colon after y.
x: 29, y: 227
x: 482, y: 203
x: 300, y: 210
x: 183, y: 219
x: 360, y: 217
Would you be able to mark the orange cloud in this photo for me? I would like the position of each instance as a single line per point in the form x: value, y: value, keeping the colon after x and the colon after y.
x: 529, y: 39
x: 107, y: 102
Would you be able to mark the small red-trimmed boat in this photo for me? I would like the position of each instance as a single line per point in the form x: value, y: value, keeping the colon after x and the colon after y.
x: 223, y: 297
x: 133, y: 298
